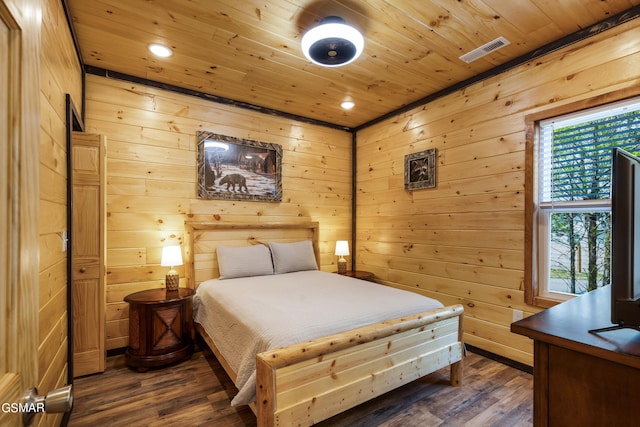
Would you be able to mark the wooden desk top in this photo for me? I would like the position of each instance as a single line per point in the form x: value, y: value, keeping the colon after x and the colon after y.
x: 567, y: 325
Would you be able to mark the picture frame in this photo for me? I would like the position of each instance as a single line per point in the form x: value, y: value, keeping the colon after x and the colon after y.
x: 231, y: 168
x: 420, y: 170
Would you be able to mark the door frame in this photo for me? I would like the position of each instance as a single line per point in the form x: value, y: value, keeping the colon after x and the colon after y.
x: 74, y: 123
x: 21, y: 146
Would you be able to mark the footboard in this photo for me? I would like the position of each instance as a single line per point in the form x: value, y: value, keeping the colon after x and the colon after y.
x: 306, y: 383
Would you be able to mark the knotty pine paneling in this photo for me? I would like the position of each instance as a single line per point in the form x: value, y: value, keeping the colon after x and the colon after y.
x: 411, y: 48
x: 60, y: 74
x: 151, y: 180
x: 463, y: 241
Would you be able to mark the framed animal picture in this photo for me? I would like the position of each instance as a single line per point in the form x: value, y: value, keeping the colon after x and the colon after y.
x: 232, y: 168
x: 420, y: 170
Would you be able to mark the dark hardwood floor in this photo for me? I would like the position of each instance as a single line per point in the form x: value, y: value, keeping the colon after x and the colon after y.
x: 198, y: 393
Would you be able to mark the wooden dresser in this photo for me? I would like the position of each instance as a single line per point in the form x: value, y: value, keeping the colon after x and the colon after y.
x: 581, y: 378
x: 160, y: 327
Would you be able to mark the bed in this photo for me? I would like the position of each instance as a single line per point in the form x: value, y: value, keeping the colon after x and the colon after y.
x: 337, y: 356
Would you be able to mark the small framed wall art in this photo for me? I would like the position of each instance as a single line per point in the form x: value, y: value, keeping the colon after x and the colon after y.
x: 420, y: 170
x: 232, y: 168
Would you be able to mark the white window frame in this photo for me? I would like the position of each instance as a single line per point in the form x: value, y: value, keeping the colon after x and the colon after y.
x: 537, y: 227
x: 544, y: 238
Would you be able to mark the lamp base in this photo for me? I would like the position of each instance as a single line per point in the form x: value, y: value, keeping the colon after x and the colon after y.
x: 172, y: 281
x: 342, y: 266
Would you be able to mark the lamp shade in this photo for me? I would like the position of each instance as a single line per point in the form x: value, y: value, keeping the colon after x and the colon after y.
x: 342, y: 248
x: 332, y: 43
x: 171, y: 255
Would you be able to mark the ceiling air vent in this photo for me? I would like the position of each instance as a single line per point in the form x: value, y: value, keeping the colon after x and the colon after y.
x: 485, y: 49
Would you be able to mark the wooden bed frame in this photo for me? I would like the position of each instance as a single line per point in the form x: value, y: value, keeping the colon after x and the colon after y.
x: 306, y: 383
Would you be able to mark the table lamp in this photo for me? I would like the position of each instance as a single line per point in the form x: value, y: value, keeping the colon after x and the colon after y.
x: 342, y: 250
x: 171, y: 256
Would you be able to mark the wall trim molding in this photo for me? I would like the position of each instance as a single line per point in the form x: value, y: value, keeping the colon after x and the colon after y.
x: 500, y: 359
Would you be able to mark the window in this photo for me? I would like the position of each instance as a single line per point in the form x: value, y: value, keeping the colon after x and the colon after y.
x: 571, y: 228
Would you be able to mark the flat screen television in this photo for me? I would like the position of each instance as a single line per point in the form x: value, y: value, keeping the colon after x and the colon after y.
x: 625, y: 241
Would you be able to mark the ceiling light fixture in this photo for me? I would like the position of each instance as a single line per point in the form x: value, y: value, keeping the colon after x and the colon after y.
x: 332, y: 43
x: 347, y: 105
x: 160, y: 50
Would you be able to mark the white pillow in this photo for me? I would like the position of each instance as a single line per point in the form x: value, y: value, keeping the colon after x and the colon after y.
x: 290, y: 257
x: 244, y: 261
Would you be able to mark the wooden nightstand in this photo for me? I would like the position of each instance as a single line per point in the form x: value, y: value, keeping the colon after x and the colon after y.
x: 359, y: 274
x: 160, y: 327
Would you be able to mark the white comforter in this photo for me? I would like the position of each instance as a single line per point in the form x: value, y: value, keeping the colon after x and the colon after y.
x: 247, y: 316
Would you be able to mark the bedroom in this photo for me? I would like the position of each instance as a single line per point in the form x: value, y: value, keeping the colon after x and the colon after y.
x: 479, y: 132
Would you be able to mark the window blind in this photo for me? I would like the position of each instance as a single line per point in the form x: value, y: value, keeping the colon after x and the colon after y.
x: 575, y: 151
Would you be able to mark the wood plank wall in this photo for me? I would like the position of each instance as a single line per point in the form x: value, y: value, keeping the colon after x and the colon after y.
x: 463, y: 241
x: 60, y: 73
x: 151, y: 180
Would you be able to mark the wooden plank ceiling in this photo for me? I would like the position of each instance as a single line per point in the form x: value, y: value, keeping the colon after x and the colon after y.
x: 249, y: 50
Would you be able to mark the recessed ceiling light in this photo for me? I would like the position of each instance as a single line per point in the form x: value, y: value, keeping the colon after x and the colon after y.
x: 348, y: 105
x: 332, y: 43
x: 160, y: 50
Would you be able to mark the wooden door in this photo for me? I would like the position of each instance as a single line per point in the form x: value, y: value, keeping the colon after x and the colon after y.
x: 19, y: 201
x: 88, y: 251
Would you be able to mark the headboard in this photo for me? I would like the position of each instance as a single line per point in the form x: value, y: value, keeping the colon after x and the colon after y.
x: 202, y: 238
